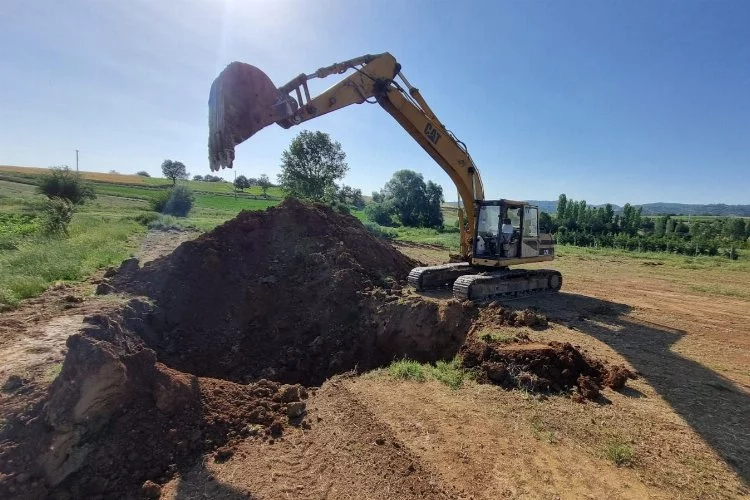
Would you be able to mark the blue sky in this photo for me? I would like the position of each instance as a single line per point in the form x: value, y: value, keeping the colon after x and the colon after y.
x: 638, y: 101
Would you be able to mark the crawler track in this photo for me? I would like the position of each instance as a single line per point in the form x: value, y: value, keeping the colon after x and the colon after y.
x: 506, y: 284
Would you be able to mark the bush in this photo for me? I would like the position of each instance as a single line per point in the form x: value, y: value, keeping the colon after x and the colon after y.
x: 61, y: 182
x: 164, y: 222
x: 380, y: 213
x: 146, y: 218
x: 177, y: 201
x: 380, y: 232
x: 57, y: 215
x: 143, y: 173
x: 406, y: 369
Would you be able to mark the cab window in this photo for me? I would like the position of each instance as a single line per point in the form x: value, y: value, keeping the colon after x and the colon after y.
x: 530, y: 218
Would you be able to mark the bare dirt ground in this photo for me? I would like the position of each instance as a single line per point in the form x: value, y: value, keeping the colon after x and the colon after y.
x: 686, y: 419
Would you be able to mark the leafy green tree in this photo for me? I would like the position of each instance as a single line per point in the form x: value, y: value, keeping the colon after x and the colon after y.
x: 174, y: 170
x: 197, y: 177
x: 241, y: 183
x: 143, y: 173
x: 737, y: 232
x: 264, y: 183
x: 62, y: 182
x: 433, y: 214
x: 562, y: 205
x: 414, y: 205
x: 747, y: 228
x: 351, y: 196
x: 380, y: 213
x: 312, y: 163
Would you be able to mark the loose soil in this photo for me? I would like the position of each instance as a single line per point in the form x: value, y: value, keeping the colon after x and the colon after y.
x: 221, y: 356
x: 294, y: 294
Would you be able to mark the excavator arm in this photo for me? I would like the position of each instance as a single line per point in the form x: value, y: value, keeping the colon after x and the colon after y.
x: 243, y: 100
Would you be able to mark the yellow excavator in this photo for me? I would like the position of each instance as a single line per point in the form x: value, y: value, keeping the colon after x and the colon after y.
x: 495, y: 234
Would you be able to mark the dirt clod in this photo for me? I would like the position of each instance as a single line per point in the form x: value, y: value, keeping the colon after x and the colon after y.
x: 151, y: 490
x: 516, y: 361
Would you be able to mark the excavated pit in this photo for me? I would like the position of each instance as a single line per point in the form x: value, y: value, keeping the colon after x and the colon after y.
x: 225, y: 339
x: 294, y: 294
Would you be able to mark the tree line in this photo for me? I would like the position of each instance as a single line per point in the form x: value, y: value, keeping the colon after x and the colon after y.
x: 576, y: 223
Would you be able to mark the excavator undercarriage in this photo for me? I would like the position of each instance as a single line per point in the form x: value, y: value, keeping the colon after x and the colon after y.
x: 478, y: 284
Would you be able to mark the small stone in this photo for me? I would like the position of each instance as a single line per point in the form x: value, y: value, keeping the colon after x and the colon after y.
x: 294, y: 410
x: 13, y: 383
x: 151, y: 490
x: 104, y: 288
x: 380, y: 441
x: 74, y: 299
x: 223, y: 454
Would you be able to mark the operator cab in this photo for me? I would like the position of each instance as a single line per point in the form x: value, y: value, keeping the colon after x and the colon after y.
x: 509, y: 230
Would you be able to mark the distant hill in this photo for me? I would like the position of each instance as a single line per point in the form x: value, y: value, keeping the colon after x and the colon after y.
x: 715, y: 209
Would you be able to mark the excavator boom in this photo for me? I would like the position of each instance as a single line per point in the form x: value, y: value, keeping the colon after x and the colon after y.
x: 243, y: 100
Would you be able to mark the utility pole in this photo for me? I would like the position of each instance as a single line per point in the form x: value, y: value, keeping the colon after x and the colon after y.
x: 76, y: 160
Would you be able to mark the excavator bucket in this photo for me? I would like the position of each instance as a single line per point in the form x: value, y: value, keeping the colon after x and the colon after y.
x: 242, y: 101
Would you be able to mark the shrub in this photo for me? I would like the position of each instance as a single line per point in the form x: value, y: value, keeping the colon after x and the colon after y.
x: 380, y: 232
x: 61, y: 182
x: 619, y: 452
x: 406, y: 369
x: 143, y: 173
x: 380, y: 213
x: 146, y: 218
x: 177, y: 201
x: 57, y: 215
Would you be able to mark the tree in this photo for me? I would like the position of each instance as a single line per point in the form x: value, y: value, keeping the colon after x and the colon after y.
x: 433, y: 214
x: 413, y: 202
x: 351, y: 196
x: 747, y: 228
x: 562, y: 205
x: 62, y: 182
x: 174, y: 170
x: 241, y: 183
x: 546, y: 224
x: 379, y: 213
x: 264, y: 183
x: 143, y: 173
x: 737, y: 231
x: 197, y: 177
x: 312, y: 163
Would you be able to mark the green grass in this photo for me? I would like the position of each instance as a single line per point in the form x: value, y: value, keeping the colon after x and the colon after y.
x: 406, y: 369
x: 667, y: 259
x: 39, y: 261
x: 489, y: 335
x: 722, y: 290
x: 449, y: 373
x: 619, y: 452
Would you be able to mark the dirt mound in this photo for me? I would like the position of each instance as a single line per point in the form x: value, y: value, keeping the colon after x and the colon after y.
x: 539, y: 367
x: 115, y: 417
x: 296, y: 293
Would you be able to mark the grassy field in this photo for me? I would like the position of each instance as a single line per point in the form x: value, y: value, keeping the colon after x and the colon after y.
x: 106, y: 230
x: 102, y: 233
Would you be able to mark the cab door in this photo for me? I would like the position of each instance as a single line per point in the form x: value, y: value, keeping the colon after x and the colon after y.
x: 530, y: 236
